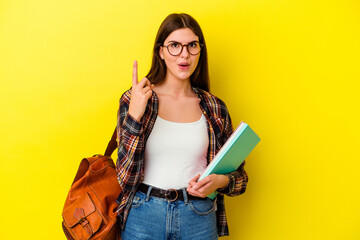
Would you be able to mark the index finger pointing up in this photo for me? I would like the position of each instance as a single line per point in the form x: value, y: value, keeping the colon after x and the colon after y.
x: 135, y: 74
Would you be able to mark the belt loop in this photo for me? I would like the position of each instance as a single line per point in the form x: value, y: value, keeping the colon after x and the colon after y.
x: 185, y: 195
x: 148, y: 193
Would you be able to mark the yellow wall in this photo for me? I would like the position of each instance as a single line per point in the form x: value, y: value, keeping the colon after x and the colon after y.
x: 288, y: 68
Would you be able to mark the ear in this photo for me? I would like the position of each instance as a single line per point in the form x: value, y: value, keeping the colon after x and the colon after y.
x: 161, y: 53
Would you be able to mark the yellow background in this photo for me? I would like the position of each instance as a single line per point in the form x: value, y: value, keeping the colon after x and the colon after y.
x: 290, y: 69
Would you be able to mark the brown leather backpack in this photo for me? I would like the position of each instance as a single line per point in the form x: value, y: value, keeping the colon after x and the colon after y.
x: 90, y: 207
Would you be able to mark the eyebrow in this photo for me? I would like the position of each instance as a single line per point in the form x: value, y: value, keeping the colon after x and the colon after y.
x: 180, y: 42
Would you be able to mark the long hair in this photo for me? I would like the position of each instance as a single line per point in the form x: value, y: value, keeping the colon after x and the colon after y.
x: 200, y: 77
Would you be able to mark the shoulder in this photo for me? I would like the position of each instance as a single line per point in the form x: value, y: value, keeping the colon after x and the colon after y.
x: 213, y: 103
x: 209, y: 97
x: 125, y: 97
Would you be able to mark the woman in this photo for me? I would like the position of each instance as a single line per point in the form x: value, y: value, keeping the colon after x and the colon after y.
x: 169, y: 129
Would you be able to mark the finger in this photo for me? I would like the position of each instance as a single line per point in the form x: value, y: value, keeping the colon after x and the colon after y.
x: 148, y: 83
x: 196, y: 193
x: 135, y: 74
x: 189, y: 190
x: 202, y: 182
x: 192, y: 192
x: 144, y: 82
x: 191, y: 184
x: 204, y: 188
x: 148, y: 94
x: 195, y: 179
x: 146, y: 89
x: 201, y: 192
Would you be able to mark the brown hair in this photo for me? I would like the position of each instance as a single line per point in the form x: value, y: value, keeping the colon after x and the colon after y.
x: 200, y: 77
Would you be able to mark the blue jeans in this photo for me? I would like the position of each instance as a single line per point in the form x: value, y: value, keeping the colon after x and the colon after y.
x: 157, y: 218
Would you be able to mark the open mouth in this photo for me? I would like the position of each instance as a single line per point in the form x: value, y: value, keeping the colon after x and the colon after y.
x: 184, y: 66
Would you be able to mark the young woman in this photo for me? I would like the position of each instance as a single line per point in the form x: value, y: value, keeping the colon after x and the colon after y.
x: 169, y: 128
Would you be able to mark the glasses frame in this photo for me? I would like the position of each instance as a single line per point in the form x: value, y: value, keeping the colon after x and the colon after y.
x: 182, y: 48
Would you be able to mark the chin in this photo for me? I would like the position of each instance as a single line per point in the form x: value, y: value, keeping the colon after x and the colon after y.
x: 181, y: 75
x: 184, y: 76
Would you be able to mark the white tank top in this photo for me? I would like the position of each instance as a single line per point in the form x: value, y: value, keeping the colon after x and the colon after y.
x: 175, y: 153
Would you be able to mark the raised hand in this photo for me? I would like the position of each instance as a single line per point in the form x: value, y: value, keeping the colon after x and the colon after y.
x: 140, y: 94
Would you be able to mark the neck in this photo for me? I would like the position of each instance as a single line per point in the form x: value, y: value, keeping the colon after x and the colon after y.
x: 176, y: 87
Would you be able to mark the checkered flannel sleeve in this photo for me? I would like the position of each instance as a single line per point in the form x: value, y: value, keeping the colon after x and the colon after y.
x: 130, y: 145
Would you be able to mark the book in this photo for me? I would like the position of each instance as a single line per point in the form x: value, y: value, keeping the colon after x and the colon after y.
x: 232, y: 154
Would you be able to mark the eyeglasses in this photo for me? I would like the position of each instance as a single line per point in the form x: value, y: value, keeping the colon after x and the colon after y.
x: 175, y: 48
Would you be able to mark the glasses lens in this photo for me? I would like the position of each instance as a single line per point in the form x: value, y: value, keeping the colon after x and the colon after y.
x: 194, y: 48
x: 174, y: 48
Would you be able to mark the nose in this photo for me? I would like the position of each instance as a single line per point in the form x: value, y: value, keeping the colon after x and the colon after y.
x: 185, y: 53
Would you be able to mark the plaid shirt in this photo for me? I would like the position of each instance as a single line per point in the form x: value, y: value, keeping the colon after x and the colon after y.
x: 132, y: 136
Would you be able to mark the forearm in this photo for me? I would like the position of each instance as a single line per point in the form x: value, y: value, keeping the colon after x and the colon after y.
x: 237, y: 182
x: 130, y: 146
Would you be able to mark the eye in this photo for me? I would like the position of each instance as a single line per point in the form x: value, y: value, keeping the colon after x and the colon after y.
x: 193, y: 44
x: 174, y: 45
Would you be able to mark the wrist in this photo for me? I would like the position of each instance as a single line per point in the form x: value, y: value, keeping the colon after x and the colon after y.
x: 135, y: 116
x: 223, y: 181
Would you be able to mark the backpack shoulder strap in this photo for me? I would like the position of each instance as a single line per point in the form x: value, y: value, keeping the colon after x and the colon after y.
x: 112, y: 145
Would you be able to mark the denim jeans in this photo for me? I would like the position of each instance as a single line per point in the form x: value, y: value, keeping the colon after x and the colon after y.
x: 157, y: 218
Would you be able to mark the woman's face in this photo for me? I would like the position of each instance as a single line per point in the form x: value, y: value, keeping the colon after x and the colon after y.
x: 183, y: 65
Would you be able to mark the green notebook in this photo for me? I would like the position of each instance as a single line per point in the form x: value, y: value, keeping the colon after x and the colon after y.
x: 241, y: 142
